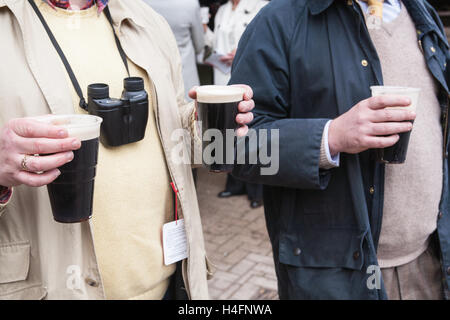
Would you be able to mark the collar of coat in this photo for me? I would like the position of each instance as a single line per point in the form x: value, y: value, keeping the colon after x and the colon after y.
x: 317, y: 7
x: 418, y: 10
x: 65, y: 4
x: 119, y: 11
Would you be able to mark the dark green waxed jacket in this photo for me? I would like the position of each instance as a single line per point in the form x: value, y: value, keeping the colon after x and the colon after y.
x: 310, y: 61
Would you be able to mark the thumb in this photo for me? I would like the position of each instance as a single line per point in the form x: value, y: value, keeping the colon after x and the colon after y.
x: 193, y: 93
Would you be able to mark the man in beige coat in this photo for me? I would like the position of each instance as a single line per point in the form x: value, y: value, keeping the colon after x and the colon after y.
x: 42, y: 259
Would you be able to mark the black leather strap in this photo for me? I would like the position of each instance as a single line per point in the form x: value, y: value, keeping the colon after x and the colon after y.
x: 61, y: 54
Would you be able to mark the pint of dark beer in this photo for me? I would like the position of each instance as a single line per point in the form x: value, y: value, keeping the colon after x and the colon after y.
x: 217, y: 111
x: 396, y: 154
x: 71, y: 194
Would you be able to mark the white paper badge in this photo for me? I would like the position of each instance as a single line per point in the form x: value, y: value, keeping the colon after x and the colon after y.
x: 174, y: 242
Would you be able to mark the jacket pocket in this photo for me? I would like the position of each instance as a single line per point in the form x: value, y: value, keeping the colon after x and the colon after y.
x: 323, y: 247
x: 323, y: 263
x: 14, y: 273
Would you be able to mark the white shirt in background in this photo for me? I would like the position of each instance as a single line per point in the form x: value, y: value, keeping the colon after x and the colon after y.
x: 229, y: 26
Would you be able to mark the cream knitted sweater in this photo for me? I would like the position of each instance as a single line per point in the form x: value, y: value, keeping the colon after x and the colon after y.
x: 412, y: 190
x: 132, y: 197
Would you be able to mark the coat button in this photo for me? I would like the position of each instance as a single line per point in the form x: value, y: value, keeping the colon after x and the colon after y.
x: 92, y: 282
x: 297, y: 251
x: 364, y: 63
x: 433, y: 49
x: 356, y: 255
x: 371, y: 190
x: 440, y: 215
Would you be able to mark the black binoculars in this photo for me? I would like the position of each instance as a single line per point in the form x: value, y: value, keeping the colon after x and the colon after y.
x: 124, y: 119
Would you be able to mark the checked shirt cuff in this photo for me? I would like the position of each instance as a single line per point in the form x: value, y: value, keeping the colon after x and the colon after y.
x: 5, y: 195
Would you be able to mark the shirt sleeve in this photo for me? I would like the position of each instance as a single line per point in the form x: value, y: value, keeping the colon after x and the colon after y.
x: 5, y: 195
x: 326, y: 160
x: 5, y: 198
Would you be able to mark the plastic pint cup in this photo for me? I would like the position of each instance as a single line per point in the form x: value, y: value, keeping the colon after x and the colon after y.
x: 71, y: 194
x: 396, y: 154
x: 217, y: 111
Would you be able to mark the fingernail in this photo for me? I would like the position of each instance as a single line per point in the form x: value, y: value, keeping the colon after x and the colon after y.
x: 58, y: 173
x: 76, y: 143
x: 61, y: 133
x: 69, y: 156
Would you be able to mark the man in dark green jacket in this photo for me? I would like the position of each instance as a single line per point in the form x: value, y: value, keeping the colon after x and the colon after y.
x: 342, y: 225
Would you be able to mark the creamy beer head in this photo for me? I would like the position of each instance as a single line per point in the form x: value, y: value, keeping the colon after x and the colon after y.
x: 82, y: 126
x: 220, y: 94
x: 411, y: 93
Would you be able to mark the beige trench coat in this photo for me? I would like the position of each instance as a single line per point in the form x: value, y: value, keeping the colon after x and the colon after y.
x: 39, y: 258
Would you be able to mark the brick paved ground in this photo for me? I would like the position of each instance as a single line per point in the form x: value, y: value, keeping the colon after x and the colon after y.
x: 236, y: 242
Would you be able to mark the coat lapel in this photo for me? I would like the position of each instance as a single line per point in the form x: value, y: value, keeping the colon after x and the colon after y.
x: 41, y: 56
x: 153, y: 60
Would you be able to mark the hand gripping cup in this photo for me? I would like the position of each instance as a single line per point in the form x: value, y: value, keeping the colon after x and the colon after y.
x: 217, y: 111
x: 396, y: 154
x: 71, y: 194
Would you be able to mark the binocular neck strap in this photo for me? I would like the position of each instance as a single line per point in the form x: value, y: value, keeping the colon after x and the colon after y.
x: 119, y: 46
x: 66, y: 63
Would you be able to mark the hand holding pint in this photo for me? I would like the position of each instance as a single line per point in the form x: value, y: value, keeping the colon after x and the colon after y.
x: 396, y: 154
x: 374, y: 123
x: 223, y: 108
x: 59, y: 151
x: 217, y: 110
x: 23, y: 138
x: 71, y: 194
x: 245, y: 107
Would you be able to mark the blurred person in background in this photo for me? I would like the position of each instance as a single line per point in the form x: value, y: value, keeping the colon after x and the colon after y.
x: 185, y: 21
x: 213, y: 6
x: 230, y: 22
